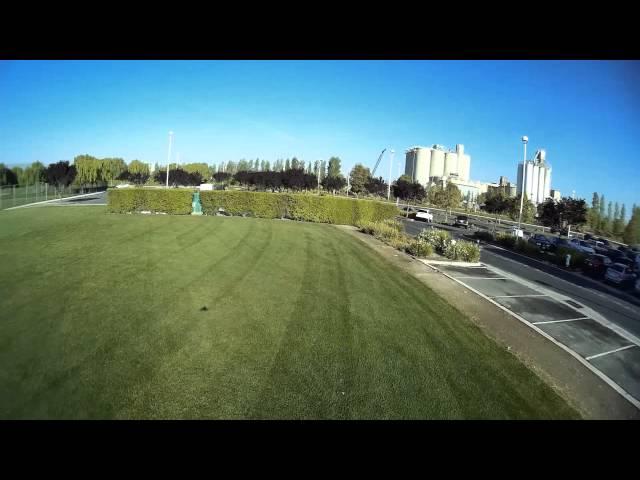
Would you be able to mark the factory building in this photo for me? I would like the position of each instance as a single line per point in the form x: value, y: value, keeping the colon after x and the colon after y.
x: 537, y: 178
x: 555, y: 194
x: 504, y: 186
x: 431, y: 164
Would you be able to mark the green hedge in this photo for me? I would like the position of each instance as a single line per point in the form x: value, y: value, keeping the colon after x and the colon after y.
x: 310, y: 208
x: 171, y: 201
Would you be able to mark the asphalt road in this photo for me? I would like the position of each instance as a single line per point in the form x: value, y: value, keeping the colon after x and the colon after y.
x: 614, y: 308
x: 99, y: 198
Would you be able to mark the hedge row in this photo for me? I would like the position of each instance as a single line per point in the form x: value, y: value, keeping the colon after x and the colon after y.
x: 310, y: 208
x: 172, y: 201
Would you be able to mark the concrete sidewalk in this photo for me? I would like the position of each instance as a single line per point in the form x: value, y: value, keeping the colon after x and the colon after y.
x: 582, y: 388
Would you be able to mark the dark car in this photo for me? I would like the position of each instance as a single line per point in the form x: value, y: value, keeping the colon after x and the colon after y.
x: 596, y: 265
x: 614, y: 254
x: 462, y: 221
x: 588, y: 236
x: 625, y: 261
x: 541, y: 241
x: 603, y: 240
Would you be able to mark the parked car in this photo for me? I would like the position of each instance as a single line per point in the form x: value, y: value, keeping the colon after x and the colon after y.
x: 581, y: 246
x: 588, y: 236
x: 596, y: 265
x: 516, y: 232
x: 424, y: 215
x: 620, y: 274
x: 604, y: 241
x: 637, y: 287
x: 541, y: 241
x: 462, y: 221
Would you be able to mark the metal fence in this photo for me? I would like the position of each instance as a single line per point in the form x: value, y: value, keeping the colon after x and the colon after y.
x: 16, y: 195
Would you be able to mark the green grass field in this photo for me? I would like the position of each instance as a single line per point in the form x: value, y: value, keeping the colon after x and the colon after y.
x: 134, y: 316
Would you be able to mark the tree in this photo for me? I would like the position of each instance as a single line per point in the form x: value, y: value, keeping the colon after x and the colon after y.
x: 323, y: 170
x: 359, y: 177
x: 7, y: 176
x: 200, y: 168
x: 287, y: 165
x: 631, y: 235
x: 496, y: 203
x: 295, y: 163
x: 20, y: 176
x: 60, y: 174
x: 221, y: 176
x: 111, y: 169
x: 88, y: 169
x: 617, y: 227
x: 376, y: 186
x: 528, y: 209
x: 334, y: 183
x: 334, y: 167
x: 177, y: 177
x: 407, y: 190
x: 447, y: 197
x: 602, y: 219
x: 136, y: 166
x: 594, y: 212
x: 267, y: 166
x: 566, y: 212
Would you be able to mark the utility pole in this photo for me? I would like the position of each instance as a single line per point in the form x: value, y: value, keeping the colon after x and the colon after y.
x: 390, y: 173
x: 169, y: 157
x: 525, y: 140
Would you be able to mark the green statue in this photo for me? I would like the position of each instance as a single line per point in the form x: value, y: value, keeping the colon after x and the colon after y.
x: 195, y: 204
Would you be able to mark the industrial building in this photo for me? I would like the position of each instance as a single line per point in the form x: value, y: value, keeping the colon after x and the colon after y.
x: 504, y: 186
x: 555, y: 194
x: 431, y: 164
x: 537, y: 178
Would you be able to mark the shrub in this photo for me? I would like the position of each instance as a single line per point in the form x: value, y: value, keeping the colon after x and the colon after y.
x: 172, y: 201
x: 577, y: 258
x: 400, y: 243
x: 420, y: 248
x: 463, y: 251
x: 312, y: 208
x: 482, y: 235
x: 438, y: 239
x: 506, y: 240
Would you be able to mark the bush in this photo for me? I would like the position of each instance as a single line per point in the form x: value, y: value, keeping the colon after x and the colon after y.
x: 485, y: 236
x: 171, y: 201
x: 438, y: 239
x: 312, y: 208
x: 420, y: 248
x: 577, y: 258
x: 506, y: 240
x: 463, y: 251
x: 400, y: 243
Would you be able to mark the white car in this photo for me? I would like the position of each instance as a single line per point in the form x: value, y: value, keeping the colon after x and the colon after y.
x: 424, y: 215
x: 620, y: 274
x: 581, y: 246
x: 517, y: 232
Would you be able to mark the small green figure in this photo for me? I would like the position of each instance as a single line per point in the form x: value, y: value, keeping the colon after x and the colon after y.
x: 195, y: 204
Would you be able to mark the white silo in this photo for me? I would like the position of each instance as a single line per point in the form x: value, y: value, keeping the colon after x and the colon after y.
x: 464, y: 165
x: 533, y: 193
x: 528, y: 180
x: 423, y: 164
x: 451, y: 164
x: 547, y: 183
x: 541, y: 180
x: 437, y: 162
x: 409, y: 162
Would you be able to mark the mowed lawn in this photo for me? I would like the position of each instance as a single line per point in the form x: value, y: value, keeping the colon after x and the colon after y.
x: 134, y: 316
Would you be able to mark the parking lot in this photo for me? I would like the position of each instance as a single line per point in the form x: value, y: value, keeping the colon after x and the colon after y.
x: 606, y: 349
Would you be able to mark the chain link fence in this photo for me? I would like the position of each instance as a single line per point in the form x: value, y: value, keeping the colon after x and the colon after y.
x: 16, y: 195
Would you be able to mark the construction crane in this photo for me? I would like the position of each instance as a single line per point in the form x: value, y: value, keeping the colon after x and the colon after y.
x: 378, y: 162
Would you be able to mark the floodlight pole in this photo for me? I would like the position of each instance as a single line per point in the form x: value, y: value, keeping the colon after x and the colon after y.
x: 169, y: 157
x: 390, y: 173
x: 525, y: 140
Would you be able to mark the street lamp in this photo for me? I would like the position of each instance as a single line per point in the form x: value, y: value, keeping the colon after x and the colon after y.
x: 390, y: 173
x: 169, y: 156
x: 525, y: 140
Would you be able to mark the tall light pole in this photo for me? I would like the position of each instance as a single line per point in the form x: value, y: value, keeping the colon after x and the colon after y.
x: 390, y: 173
x: 169, y: 156
x: 525, y: 140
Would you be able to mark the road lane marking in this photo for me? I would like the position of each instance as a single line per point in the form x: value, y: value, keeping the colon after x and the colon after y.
x: 560, y: 321
x: 621, y: 391
x: 610, y: 351
x: 486, y: 278
x: 518, y: 296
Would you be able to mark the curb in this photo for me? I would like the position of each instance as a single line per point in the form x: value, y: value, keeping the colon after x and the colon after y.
x: 445, y: 262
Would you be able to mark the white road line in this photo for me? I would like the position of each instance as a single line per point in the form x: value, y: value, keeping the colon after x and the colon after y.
x: 518, y: 296
x: 486, y: 278
x: 609, y: 352
x: 560, y: 321
x: 621, y: 391
x: 53, y: 200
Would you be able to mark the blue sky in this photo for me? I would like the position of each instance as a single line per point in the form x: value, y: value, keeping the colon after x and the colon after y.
x: 584, y: 113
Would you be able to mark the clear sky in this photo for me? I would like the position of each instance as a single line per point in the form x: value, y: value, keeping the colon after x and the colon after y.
x: 584, y: 113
